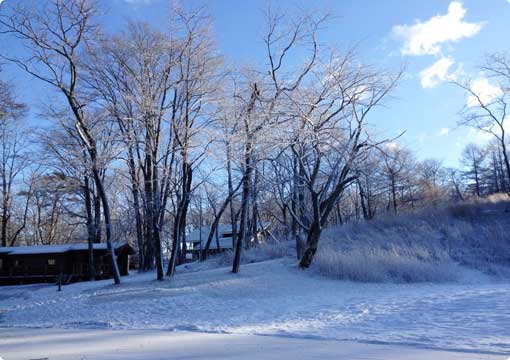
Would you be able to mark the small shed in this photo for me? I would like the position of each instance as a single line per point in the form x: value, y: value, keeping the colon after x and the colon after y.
x: 45, y: 263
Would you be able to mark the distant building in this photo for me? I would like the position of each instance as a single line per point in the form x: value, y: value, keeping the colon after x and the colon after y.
x: 196, y: 240
x: 46, y: 263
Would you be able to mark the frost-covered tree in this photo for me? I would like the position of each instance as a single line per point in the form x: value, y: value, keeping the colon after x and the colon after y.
x: 486, y: 109
x: 55, y: 35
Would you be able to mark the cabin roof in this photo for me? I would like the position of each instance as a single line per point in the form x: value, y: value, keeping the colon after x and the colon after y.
x: 55, y: 249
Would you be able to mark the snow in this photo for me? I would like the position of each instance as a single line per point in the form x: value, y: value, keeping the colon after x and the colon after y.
x: 275, y: 298
x: 52, y: 249
x: 57, y: 344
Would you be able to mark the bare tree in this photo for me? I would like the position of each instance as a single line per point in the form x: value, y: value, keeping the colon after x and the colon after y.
x: 473, y: 157
x: 330, y: 138
x: 198, y: 69
x: 123, y: 73
x: 262, y: 107
x: 397, y: 162
x: 487, y: 111
x: 13, y: 153
x: 54, y: 36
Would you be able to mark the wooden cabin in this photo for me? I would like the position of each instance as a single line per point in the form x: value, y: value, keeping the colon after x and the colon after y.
x: 222, y: 241
x: 46, y: 263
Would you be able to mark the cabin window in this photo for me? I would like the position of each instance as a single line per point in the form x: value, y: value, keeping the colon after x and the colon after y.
x: 51, y: 262
x: 1, y: 264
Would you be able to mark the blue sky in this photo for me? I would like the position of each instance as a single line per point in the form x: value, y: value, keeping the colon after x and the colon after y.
x: 437, y: 40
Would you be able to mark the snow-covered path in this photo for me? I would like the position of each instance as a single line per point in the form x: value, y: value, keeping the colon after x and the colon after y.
x: 55, y: 344
x: 274, y: 298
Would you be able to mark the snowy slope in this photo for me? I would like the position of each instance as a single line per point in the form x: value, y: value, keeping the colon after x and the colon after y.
x: 275, y: 298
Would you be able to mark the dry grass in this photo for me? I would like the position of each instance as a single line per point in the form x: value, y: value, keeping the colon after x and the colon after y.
x: 421, y: 247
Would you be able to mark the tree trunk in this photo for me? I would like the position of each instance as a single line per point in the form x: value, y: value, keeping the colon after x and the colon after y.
x: 507, y: 162
x: 244, y: 208
x: 254, y: 204
x: 394, y: 194
x: 312, y: 242
x: 362, y: 198
x: 294, y: 228
x: 246, y: 181
x: 296, y: 209
x: 504, y: 178
x: 107, y: 221
x: 155, y: 223
x: 90, y: 144
x: 184, y: 214
x: 4, y: 225
x: 90, y: 228
x: 5, y: 193
x: 5, y: 214
x: 136, y: 207
x: 149, y: 211
x: 97, y: 218
x: 233, y: 221
x: 182, y: 235
x: 180, y: 220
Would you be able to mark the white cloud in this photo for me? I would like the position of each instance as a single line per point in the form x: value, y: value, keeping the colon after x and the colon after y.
x: 392, y: 145
x: 436, y: 73
x: 443, y: 131
x: 475, y: 136
x: 483, y: 90
x: 427, y: 38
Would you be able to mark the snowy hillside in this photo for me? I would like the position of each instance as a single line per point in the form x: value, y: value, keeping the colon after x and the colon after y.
x: 425, y: 246
x: 275, y: 298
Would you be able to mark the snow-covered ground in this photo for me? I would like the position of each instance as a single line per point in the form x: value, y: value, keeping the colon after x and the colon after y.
x: 275, y: 298
x: 58, y: 344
